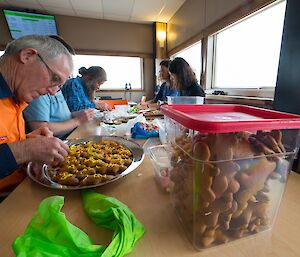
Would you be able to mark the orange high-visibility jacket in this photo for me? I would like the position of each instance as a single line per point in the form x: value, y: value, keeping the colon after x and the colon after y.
x: 12, y: 128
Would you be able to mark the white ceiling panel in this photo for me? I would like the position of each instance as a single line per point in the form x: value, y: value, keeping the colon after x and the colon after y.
x: 60, y: 11
x: 169, y: 10
x: 148, y: 9
x: 56, y: 3
x: 139, y: 11
x: 118, y: 7
x: 89, y: 14
x: 87, y: 5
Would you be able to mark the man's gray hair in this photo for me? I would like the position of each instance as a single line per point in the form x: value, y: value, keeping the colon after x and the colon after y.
x: 47, y: 47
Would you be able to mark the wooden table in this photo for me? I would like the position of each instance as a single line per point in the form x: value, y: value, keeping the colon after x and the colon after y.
x: 164, y: 235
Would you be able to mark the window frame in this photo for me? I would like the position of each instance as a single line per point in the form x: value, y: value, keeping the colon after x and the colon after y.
x: 142, y: 64
x: 211, y: 62
x: 205, y: 35
x: 201, y: 55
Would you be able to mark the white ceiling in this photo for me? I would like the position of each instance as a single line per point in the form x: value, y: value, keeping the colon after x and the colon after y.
x: 139, y: 11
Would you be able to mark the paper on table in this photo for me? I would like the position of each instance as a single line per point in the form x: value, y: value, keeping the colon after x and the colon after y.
x: 123, y: 129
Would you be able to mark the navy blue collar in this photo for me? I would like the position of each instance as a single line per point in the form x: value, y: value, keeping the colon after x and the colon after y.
x: 5, y: 91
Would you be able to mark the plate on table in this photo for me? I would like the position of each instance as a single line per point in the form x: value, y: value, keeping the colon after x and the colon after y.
x: 153, y: 113
x: 98, y: 114
x: 120, y: 120
x: 93, y: 161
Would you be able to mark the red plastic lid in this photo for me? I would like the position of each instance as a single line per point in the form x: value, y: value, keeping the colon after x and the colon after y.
x: 221, y: 118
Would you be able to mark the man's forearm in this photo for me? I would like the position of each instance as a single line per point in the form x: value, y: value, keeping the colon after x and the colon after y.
x: 64, y: 126
x: 57, y: 127
x: 19, y: 151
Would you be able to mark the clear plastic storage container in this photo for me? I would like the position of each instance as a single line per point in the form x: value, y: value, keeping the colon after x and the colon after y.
x: 230, y: 166
x: 161, y: 130
x: 160, y: 159
x: 185, y: 99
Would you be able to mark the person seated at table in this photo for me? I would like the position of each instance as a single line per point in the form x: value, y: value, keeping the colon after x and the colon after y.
x: 166, y: 88
x: 53, y: 112
x: 79, y: 92
x: 184, y: 79
x: 31, y: 66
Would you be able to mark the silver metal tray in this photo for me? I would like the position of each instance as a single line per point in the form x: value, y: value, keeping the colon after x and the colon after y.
x: 38, y: 172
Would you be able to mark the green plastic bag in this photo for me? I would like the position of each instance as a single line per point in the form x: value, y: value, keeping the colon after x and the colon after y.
x: 50, y: 234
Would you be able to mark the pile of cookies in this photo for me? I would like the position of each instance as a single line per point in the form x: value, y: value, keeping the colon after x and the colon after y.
x: 223, y: 183
x: 92, y: 163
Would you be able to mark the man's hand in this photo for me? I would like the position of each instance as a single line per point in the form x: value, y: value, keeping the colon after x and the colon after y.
x: 40, y: 149
x: 40, y: 132
x: 142, y: 106
x: 84, y: 115
x: 102, y: 106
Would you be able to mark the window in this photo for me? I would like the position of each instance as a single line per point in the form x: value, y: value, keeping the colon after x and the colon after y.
x: 119, y: 70
x: 192, y: 55
x: 247, y: 53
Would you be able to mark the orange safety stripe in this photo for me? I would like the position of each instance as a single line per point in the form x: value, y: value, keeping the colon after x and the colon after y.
x: 12, y: 128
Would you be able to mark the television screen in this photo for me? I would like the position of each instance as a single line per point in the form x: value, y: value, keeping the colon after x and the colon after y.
x: 24, y: 23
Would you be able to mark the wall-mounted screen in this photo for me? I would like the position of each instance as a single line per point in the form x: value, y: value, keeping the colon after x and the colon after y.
x: 24, y: 23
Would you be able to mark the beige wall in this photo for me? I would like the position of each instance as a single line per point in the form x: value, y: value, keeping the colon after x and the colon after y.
x: 98, y: 35
x: 194, y: 16
x: 104, y: 37
x: 111, y: 36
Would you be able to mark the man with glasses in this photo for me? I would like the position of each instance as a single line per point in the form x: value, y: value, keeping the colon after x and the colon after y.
x: 30, y: 66
x: 53, y: 112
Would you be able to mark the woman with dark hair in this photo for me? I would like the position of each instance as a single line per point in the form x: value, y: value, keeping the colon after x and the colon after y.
x: 79, y: 92
x: 184, y: 79
x: 166, y: 88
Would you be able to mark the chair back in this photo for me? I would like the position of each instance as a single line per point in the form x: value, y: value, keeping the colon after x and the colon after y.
x: 112, y: 103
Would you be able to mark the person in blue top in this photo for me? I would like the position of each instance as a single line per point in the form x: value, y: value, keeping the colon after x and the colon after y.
x: 184, y: 78
x: 53, y: 112
x: 79, y: 92
x: 166, y: 88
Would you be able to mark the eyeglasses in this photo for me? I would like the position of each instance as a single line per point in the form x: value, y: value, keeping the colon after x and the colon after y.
x: 55, y: 80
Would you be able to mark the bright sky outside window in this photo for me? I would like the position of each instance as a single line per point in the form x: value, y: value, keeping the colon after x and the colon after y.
x: 192, y: 55
x: 120, y: 70
x: 247, y: 54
